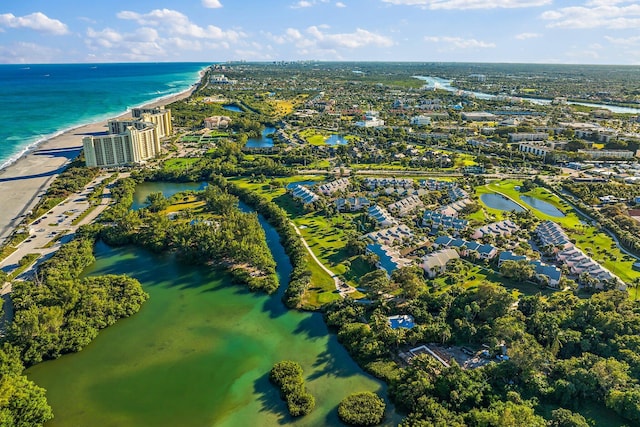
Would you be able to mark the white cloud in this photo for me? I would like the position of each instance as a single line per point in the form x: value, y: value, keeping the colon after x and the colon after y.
x: 302, y: 4
x: 317, y: 40
x: 459, y: 43
x: 596, y: 14
x: 142, y: 44
x: 28, y: 53
x: 36, y: 21
x: 526, y: 36
x: 212, y: 4
x: 470, y: 4
x: 177, y: 23
x: 340, y: 4
x: 626, y: 41
x: 358, y: 38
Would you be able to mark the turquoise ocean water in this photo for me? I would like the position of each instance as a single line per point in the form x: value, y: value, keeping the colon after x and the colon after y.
x: 41, y: 101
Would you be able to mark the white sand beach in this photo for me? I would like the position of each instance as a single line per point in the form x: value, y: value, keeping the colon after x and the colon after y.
x: 24, y: 181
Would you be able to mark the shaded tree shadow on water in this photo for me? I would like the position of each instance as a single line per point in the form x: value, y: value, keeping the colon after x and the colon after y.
x: 270, y: 401
x: 327, y: 364
x: 312, y: 327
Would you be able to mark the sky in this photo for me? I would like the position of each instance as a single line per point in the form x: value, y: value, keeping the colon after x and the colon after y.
x: 524, y: 31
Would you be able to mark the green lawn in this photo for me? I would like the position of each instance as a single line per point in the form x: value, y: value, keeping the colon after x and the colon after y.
x: 179, y: 163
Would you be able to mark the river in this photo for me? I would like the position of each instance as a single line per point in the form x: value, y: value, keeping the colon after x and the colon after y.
x: 440, y: 83
x: 199, y: 351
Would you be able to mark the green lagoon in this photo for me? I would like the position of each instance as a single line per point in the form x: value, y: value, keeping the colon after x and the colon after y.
x: 198, y: 353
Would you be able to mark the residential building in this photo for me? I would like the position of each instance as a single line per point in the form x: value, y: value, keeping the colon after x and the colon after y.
x: 352, y: 204
x: 370, y: 120
x: 333, y: 186
x: 373, y: 183
x: 500, y: 228
x: 478, y: 116
x: 528, y: 136
x: 406, y: 205
x: 401, y: 321
x: 303, y: 194
x: 550, y: 272
x: 421, y: 120
x: 391, y: 236
x: 217, y: 122
x: 439, y: 221
x: 551, y: 234
x: 453, y: 209
x: 612, y: 154
x: 381, y: 216
x: 436, y: 262
x: 133, y: 146
x: 467, y: 248
x: 509, y: 256
x: 159, y: 116
x: 389, y: 259
x: 538, y: 150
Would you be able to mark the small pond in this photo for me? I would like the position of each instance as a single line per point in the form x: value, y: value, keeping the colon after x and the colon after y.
x: 500, y: 202
x: 336, y: 140
x: 544, y: 207
x: 263, y: 141
x: 166, y: 188
x: 233, y: 108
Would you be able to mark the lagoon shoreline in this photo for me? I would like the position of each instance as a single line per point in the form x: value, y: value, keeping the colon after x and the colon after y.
x: 23, y: 182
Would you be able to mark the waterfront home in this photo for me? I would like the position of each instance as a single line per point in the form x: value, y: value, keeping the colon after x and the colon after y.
x: 436, y: 262
x: 405, y: 206
x: 381, y: 216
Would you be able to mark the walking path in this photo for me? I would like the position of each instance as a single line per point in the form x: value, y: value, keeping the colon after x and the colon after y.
x: 341, y: 287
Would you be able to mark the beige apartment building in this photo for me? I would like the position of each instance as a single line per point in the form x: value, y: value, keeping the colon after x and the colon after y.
x: 129, y: 141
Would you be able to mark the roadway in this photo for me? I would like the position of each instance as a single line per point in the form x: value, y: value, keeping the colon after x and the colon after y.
x: 56, y: 227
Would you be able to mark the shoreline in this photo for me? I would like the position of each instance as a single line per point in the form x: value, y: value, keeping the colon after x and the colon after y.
x: 24, y: 180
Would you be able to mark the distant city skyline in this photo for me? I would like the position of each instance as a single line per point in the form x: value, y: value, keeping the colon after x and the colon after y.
x: 523, y: 31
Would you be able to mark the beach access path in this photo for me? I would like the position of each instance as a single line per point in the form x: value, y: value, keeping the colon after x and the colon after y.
x: 23, y: 182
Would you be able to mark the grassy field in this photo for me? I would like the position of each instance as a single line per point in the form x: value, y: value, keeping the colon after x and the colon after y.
x: 591, y: 240
x: 180, y: 163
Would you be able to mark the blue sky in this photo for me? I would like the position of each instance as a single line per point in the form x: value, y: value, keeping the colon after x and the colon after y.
x: 540, y: 31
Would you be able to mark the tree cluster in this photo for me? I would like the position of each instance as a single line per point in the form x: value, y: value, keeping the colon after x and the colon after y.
x: 361, y: 409
x: 61, y: 312
x: 287, y: 376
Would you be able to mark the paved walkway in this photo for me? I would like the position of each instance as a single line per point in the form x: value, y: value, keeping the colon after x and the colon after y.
x: 341, y: 287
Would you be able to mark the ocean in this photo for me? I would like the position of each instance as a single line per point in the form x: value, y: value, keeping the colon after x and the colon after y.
x: 41, y: 101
